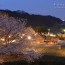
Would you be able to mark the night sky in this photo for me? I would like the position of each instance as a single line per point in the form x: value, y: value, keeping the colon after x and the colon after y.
x: 43, y: 7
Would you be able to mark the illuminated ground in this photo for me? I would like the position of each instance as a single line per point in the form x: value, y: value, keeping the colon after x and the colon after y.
x: 53, y: 51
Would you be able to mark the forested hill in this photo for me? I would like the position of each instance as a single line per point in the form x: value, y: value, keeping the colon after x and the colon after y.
x: 35, y: 20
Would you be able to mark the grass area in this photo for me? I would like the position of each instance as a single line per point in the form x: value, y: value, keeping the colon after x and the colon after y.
x: 51, y: 56
x: 45, y: 60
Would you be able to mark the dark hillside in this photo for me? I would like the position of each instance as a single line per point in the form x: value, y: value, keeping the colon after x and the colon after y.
x: 36, y: 21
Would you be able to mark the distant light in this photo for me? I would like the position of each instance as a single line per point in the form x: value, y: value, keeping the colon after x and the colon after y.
x: 63, y: 30
x: 14, y: 41
x: 36, y: 33
x: 52, y: 35
x: 9, y: 36
x: 23, y: 34
x: 29, y: 37
x: 49, y: 30
x: 2, y: 39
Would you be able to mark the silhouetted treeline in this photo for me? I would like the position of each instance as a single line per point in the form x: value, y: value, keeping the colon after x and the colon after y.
x: 39, y: 22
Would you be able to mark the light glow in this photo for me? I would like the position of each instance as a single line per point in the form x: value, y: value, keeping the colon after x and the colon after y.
x: 14, y: 41
x: 36, y: 34
x: 23, y: 34
x: 52, y: 35
x: 9, y: 36
x: 2, y: 39
x: 63, y: 30
x: 29, y: 37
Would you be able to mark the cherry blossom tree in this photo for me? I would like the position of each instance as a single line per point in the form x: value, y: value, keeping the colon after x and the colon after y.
x: 11, y: 32
x: 10, y: 28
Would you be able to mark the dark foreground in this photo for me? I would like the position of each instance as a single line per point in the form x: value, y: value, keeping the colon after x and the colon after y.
x: 45, y: 60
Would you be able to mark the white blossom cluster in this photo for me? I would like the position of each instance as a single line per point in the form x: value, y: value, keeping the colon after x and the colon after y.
x: 10, y: 30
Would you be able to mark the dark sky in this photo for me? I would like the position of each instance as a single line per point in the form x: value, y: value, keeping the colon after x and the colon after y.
x: 44, y: 7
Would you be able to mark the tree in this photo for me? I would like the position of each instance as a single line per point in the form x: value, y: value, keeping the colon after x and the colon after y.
x: 10, y: 28
x: 41, y: 29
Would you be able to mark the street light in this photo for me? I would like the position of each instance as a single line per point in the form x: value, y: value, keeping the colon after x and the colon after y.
x: 63, y: 30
